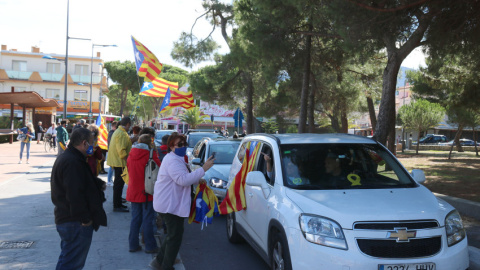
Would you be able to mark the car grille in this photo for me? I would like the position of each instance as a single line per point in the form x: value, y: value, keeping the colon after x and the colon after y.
x: 392, y: 249
x: 411, y: 225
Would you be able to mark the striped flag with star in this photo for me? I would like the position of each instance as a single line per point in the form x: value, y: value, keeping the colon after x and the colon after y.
x: 157, y: 88
x: 175, y: 98
x: 146, y: 62
x: 235, y: 198
x: 102, y: 133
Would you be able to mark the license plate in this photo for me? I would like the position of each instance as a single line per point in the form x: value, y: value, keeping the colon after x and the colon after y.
x: 408, y: 266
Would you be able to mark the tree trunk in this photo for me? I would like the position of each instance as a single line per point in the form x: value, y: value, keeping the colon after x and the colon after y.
x: 455, y: 140
x: 311, y: 107
x: 250, y: 124
x: 385, y: 122
x: 475, y: 141
x: 302, y: 122
x: 371, y: 112
x: 343, y: 117
x: 418, y: 141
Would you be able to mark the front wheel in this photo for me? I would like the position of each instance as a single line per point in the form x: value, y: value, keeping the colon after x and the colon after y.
x: 280, y: 254
x: 46, y: 145
x: 232, y: 233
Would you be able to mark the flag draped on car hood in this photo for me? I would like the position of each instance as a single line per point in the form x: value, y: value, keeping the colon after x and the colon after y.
x: 235, y: 198
x: 204, y: 206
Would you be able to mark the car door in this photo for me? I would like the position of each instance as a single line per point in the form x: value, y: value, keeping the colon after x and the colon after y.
x: 258, y: 205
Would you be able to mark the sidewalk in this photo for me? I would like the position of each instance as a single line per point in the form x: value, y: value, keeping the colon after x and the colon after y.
x: 26, y: 218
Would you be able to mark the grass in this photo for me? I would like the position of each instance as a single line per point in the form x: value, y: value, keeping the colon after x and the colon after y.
x: 458, y: 177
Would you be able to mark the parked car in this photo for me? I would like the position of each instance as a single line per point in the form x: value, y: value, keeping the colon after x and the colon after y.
x: 159, y: 135
x: 194, y: 137
x: 463, y: 142
x: 217, y: 176
x: 432, y: 139
x: 340, y: 201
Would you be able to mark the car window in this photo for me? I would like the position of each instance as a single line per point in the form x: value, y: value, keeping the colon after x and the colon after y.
x: 196, y: 149
x: 341, y: 166
x: 193, y: 138
x: 263, y: 166
x: 159, y: 135
x: 241, y: 152
x: 224, y: 152
x: 201, y: 154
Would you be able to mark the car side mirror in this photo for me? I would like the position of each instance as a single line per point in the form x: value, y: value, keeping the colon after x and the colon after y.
x: 418, y: 176
x: 197, y: 161
x: 257, y: 179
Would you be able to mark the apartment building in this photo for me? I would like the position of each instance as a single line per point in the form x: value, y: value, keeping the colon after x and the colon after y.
x: 44, y: 73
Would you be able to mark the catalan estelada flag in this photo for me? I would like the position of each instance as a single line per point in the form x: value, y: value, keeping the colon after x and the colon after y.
x: 204, y: 206
x: 174, y: 98
x: 235, y: 198
x: 102, y: 133
x: 146, y: 62
x: 157, y: 88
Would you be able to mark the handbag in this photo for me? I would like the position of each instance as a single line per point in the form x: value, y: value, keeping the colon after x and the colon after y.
x: 151, y: 172
x: 21, y: 137
x: 125, y: 175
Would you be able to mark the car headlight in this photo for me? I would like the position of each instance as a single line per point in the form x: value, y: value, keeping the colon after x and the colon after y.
x: 322, y: 231
x: 218, y: 183
x: 454, y: 228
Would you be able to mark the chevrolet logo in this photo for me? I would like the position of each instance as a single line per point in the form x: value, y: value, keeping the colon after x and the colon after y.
x: 402, y: 234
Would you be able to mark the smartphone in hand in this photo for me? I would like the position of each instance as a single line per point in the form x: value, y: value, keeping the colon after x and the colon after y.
x: 213, y: 154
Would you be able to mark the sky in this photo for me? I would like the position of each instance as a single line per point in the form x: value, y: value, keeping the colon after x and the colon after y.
x: 155, y: 23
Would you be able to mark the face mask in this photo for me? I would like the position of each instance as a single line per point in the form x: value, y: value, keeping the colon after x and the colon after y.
x: 89, y: 149
x: 181, y: 151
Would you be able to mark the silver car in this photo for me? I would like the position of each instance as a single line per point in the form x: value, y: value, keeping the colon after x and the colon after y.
x: 217, y: 176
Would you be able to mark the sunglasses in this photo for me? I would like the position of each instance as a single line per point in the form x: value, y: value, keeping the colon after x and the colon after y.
x: 181, y: 144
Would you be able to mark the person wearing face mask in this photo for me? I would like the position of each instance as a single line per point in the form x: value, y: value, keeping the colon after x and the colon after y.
x: 78, y: 198
x: 171, y: 197
x: 118, y: 151
x: 94, y: 152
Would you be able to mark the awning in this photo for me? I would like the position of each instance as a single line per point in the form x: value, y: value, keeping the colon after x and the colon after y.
x: 27, y: 99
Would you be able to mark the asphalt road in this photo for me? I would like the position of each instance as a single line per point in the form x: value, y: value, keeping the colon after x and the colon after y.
x: 210, y: 249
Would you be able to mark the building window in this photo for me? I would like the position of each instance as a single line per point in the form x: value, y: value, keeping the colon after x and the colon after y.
x: 80, y: 95
x: 53, y: 93
x: 19, y: 65
x: 81, y: 69
x: 19, y: 89
x: 53, y: 67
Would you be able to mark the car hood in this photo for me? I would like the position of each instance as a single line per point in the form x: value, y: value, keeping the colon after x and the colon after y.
x: 349, y: 206
x: 220, y: 171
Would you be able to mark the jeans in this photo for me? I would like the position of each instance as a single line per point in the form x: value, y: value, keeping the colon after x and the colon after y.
x: 118, y: 185
x: 76, y: 241
x: 170, y: 247
x: 142, y: 216
x: 110, y: 174
x: 22, y: 144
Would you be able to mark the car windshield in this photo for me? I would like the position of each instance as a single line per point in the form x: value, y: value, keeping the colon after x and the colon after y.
x: 224, y: 152
x: 341, y: 166
x: 193, y: 138
x: 159, y: 135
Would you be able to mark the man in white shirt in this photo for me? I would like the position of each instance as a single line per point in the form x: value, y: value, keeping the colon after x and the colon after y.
x: 51, y: 130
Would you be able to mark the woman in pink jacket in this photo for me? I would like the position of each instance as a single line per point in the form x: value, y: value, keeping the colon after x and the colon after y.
x: 172, y: 197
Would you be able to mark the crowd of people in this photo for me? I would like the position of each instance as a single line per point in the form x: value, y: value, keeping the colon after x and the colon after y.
x: 78, y: 194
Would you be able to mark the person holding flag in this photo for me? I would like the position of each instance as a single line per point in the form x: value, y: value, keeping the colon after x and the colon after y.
x: 102, y: 141
x: 172, y: 197
x: 62, y: 137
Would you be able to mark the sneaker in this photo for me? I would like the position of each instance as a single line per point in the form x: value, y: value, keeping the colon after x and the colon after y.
x: 109, y: 184
x: 28, y: 162
x: 20, y: 162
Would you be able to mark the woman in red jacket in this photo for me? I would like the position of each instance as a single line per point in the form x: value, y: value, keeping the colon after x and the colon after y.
x: 141, y: 202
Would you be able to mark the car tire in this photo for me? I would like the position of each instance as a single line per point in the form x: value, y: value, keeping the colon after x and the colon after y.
x: 232, y: 233
x: 279, y: 252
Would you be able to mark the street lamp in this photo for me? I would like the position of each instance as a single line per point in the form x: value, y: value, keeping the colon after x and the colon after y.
x: 91, y: 78
x: 66, y: 66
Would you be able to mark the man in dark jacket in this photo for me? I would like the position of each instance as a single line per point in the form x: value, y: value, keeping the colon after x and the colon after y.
x: 78, y: 198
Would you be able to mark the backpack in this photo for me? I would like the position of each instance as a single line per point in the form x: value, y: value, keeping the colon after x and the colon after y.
x: 151, y: 172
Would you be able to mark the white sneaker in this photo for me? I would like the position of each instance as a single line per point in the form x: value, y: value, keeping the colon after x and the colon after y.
x: 20, y: 162
x: 28, y: 162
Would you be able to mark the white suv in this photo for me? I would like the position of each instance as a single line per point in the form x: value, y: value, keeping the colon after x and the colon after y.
x: 338, y: 201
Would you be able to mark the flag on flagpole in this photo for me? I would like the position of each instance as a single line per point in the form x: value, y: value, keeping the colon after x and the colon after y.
x: 102, y: 133
x: 157, y: 88
x: 235, y: 198
x: 174, y: 98
x: 146, y: 62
